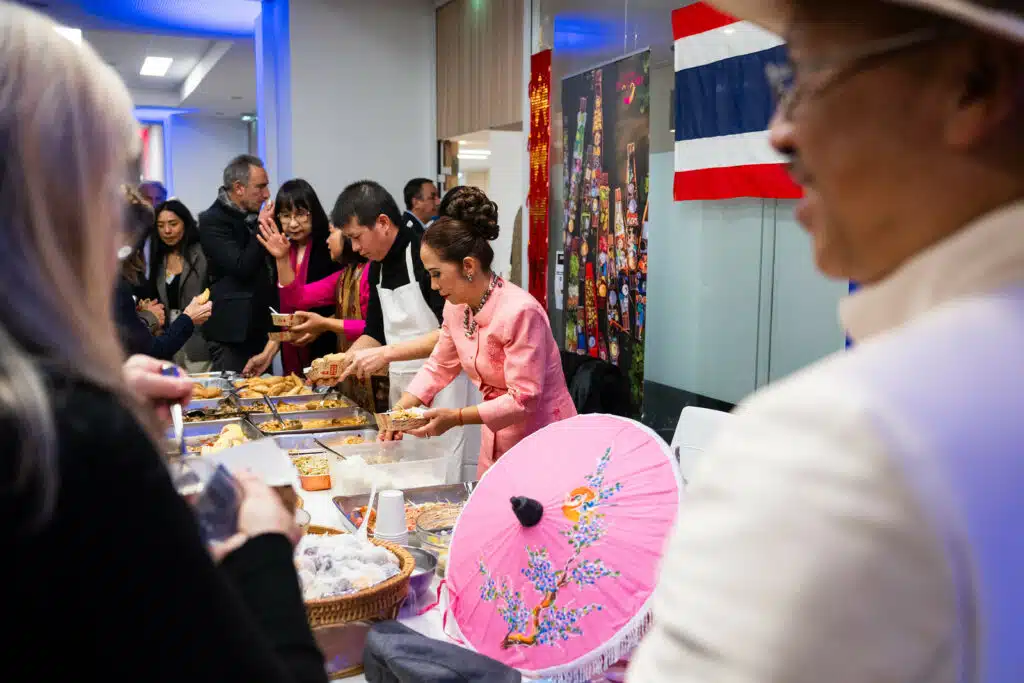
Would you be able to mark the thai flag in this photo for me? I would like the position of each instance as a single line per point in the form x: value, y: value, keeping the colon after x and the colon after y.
x: 723, y: 106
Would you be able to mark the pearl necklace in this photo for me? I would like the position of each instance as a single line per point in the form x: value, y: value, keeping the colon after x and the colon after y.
x: 469, y: 324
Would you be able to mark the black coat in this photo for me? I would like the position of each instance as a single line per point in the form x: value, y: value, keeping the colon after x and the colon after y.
x: 121, y: 560
x: 243, y: 282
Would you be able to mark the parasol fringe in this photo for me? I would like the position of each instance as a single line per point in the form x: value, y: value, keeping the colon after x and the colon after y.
x: 600, y: 662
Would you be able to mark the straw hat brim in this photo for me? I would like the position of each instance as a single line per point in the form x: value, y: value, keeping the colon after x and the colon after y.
x: 774, y: 15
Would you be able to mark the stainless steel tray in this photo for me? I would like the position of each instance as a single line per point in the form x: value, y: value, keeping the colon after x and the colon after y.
x: 451, y: 493
x: 276, y: 400
x: 197, y: 431
x: 213, y: 382
x: 262, y: 419
x: 305, y: 441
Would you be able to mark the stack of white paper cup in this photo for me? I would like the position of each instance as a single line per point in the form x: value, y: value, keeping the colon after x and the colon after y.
x: 390, y: 524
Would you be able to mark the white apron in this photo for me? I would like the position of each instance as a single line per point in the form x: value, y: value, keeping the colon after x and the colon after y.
x: 407, y: 316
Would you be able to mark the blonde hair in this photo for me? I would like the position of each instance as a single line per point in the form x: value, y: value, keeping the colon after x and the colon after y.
x: 67, y: 140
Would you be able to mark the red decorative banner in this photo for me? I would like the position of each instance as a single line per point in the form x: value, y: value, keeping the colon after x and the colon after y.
x: 540, y: 180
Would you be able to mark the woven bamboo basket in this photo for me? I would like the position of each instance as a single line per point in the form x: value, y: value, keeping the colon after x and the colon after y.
x: 380, y: 602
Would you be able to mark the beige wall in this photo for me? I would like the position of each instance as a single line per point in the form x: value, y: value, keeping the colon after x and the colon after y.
x: 479, y: 66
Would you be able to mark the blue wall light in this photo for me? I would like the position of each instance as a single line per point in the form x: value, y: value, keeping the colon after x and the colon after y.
x: 224, y: 18
x: 583, y: 33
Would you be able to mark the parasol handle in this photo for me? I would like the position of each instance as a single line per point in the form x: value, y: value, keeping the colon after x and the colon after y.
x: 528, y: 510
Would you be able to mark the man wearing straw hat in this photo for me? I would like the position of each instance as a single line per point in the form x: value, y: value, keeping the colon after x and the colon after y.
x: 863, y: 521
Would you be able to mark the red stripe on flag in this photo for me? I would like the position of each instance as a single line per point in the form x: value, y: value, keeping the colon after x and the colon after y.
x: 698, y: 18
x: 765, y: 181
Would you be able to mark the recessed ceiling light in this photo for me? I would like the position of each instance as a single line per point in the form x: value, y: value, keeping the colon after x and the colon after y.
x: 155, y: 66
x: 462, y: 142
x: 72, y: 34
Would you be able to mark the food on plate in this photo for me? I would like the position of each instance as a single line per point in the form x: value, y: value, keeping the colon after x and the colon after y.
x: 322, y: 424
x: 330, y: 566
x: 203, y: 392
x: 412, y: 513
x: 204, y: 297
x: 229, y: 437
x: 256, y: 387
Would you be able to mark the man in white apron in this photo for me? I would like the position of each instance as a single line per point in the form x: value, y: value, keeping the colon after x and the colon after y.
x: 404, y: 313
x: 863, y: 521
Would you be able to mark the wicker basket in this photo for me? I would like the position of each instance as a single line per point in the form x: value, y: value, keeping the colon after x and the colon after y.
x: 380, y: 602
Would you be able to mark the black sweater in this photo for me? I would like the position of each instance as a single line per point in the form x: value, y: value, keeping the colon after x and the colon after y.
x: 136, y: 337
x: 118, y: 583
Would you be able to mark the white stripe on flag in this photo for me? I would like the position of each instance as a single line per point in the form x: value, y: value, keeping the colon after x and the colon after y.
x: 726, y: 151
x: 741, y: 38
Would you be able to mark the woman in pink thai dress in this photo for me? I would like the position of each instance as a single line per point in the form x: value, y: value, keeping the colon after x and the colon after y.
x: 495, y: 331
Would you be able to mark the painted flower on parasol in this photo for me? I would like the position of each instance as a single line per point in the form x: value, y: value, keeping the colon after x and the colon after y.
x: 557, y: 583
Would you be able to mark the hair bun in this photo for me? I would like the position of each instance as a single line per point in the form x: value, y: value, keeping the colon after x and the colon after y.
x: 471, y: 206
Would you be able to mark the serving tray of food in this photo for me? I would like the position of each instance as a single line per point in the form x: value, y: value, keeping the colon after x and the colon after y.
x: 203, y: 438
x: 257, y: 387
x: 297, y: 444
x: 314, y: 421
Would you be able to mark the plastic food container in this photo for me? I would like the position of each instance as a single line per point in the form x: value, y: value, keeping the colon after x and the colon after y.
x: 407, y: 464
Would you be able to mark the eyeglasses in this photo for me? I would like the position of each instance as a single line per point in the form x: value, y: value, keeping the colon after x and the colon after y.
x: 298, y: 216
x: 788, y: 92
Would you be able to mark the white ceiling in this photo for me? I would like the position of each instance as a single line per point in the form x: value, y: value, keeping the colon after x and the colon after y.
x: 229, y: 89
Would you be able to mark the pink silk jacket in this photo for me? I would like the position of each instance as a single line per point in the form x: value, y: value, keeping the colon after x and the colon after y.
x: 513, y: 359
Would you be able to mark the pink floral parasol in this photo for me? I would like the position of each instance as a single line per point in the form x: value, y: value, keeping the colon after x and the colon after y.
x: 555, y: 557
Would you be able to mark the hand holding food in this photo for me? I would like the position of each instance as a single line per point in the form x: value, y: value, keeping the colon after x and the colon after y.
x: 308, y: 323
x: 199, y: 312
x: 204, y: 297
x: 367, y: 362
x: 440, y: 420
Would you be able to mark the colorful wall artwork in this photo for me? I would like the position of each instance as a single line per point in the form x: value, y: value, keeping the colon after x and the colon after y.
x: 606, y: 147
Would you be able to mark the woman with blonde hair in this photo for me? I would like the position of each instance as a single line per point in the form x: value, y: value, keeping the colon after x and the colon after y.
x: 106, y: 570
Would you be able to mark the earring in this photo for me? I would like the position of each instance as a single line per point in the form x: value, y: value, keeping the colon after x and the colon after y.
x: 469, y: 277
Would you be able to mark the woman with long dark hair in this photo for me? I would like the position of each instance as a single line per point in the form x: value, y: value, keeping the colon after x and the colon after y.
x: 138, y: 336
x: 298, y: 218
x: 347, y: 292
x: 178, y: 275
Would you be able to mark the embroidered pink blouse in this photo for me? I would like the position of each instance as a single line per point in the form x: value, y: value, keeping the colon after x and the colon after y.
x: 514, y: 360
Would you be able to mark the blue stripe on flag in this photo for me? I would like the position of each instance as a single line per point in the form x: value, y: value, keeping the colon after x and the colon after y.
x: 728, y: 97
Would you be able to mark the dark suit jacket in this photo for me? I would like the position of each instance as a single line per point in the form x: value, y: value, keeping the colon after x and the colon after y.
x: 243, y: 284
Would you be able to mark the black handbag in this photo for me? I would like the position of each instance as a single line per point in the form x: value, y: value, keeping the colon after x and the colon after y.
x: 396, y: 654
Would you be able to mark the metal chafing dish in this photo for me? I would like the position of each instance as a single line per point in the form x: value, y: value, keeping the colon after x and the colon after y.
x: 334, y: 440
x: 366, y: 420
x: 206, y: 429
